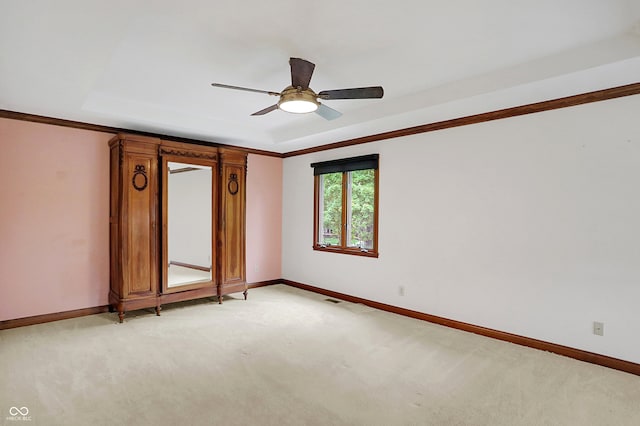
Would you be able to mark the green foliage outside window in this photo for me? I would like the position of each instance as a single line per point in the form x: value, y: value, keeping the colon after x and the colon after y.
x: 332, y: 215
x: 362, y: 203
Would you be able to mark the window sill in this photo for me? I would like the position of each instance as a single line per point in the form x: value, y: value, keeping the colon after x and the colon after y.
x: 353, y: 252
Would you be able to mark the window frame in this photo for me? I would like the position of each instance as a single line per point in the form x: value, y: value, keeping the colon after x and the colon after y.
x: 343, y: 247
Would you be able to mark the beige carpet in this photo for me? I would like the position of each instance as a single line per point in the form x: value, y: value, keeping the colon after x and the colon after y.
x: 288, y: 357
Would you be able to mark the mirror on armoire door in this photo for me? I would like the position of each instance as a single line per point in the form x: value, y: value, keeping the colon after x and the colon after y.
x: 188, y: 249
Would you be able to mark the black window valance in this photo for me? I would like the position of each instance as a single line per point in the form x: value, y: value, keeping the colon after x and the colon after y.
x: 346, y: 164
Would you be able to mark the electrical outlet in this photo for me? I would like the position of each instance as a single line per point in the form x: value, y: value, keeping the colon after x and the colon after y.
x: 401, y: 290
x: 598, y: 328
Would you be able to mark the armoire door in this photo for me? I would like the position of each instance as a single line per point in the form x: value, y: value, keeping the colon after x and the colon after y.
x: 139, y: 225
x: 189, y: 212
x: 232, y: 223
x: 133, y: 224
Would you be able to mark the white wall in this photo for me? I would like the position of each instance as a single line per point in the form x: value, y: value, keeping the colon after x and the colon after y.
x: 529, y: 225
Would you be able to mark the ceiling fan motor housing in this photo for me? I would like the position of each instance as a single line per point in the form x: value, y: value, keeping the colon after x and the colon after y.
x: 298, y: 100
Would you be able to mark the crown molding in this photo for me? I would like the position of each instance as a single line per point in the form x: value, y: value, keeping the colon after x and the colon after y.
x: 115, y: 130
x: 565, y: 102
x: 569, y: 101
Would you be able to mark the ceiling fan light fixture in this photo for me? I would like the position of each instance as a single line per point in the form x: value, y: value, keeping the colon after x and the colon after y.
x: 298, y: 107
x: 298, y: 101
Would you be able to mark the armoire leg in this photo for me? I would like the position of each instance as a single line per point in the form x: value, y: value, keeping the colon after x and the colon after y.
x: 220, y: 300
x: 158, y: 309
x: 121, y: 316
x: 245, y: 294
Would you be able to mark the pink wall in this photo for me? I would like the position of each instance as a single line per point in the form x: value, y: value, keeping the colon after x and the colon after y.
x: 264, y: 218
x: 54, y: 219
x: 54, y: 215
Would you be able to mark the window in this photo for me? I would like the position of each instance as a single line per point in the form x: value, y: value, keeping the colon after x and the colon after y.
x: 346, y: 206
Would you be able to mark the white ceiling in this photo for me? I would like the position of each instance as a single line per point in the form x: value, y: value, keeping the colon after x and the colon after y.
x: 148, y: 65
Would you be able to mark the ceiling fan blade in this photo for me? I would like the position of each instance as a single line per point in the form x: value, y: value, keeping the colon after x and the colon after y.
x: 301, y: 72
x: 266, y: 110
x: 246, y: 89
x: 355, y: 93
x: 327, y: 113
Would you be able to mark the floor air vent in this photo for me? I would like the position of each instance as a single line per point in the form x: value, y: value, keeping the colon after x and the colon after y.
x: 332, y: 300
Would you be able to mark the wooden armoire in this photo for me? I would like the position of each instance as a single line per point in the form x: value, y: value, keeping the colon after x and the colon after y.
x: 177, y: 222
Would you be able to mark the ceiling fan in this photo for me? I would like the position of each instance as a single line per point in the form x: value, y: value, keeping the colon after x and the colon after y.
x: 299, y: 98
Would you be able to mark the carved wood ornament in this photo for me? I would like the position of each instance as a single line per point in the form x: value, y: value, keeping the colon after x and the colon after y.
x: 140, y: 179
x: 188, y: 153
x: 233, y: 185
